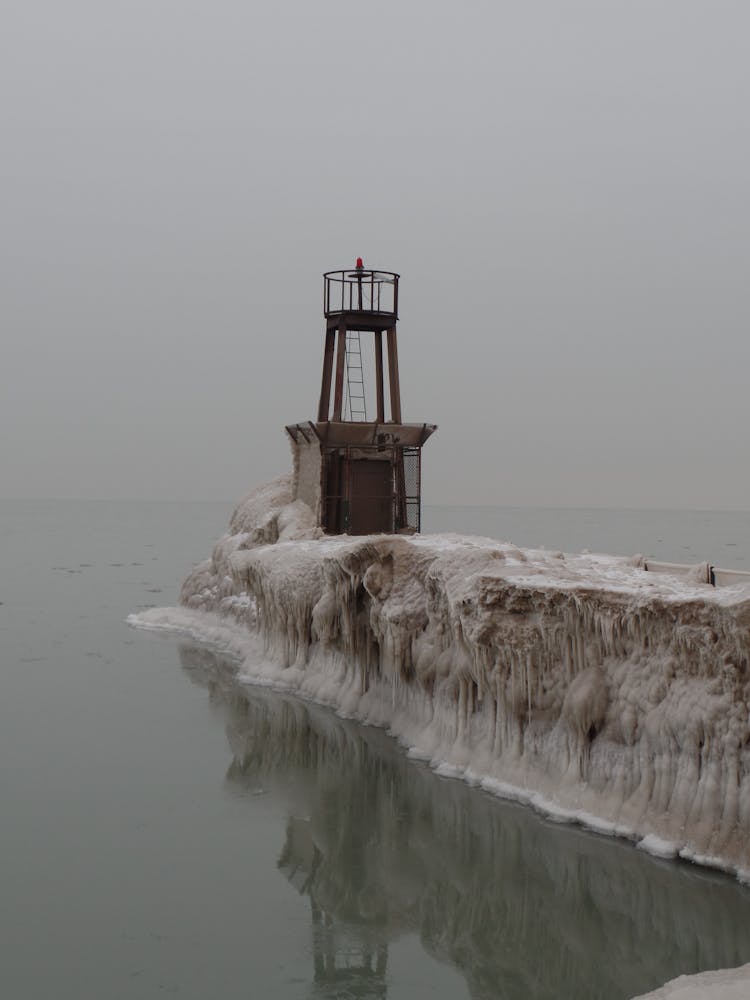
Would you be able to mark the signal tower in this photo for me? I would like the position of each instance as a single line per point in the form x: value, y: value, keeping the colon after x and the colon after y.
x: 360, y: 476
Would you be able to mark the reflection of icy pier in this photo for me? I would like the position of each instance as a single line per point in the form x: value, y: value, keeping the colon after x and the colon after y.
x: 583, y: 684
x: 384, y: 849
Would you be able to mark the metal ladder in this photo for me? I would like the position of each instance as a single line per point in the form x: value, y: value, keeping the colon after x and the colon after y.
x: 354, y: 406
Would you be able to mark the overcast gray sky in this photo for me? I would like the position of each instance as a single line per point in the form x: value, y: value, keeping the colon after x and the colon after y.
x: 563, y: 187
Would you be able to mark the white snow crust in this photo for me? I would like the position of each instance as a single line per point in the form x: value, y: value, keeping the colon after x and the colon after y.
x: 582, y: 685
x: 726, y: 984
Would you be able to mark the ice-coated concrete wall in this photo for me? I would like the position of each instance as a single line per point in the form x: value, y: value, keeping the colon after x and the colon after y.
x: 306, y: 482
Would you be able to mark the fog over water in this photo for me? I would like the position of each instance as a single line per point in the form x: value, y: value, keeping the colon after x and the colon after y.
x: 562, y: 187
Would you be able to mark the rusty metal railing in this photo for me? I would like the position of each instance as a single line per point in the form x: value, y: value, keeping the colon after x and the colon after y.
x: 699, y: 572
x: 360, y: 290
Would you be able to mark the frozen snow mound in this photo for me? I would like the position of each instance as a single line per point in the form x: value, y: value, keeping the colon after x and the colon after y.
x: 582, y: 684
x: 265, y: 516
x: 726, y: 984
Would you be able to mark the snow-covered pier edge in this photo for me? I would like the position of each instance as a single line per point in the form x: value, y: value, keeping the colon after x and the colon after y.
x: 724, y: 984
x: 595, y: 692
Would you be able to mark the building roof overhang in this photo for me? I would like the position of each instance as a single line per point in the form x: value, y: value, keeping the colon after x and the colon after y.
x: 360, y: 434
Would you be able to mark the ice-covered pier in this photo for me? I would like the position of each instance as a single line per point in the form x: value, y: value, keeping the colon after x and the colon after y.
x: 592, y: 689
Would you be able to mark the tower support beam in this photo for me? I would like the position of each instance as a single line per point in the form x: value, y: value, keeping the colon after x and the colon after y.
x: 379, y: 391
x: 393, y: 376
x: 325, y: 389
x: 338, y: 398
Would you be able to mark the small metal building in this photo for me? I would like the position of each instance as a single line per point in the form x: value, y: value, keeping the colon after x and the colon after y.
x: 359, y: 476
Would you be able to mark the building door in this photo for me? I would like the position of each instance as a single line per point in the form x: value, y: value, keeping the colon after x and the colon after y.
x: 370, y: 497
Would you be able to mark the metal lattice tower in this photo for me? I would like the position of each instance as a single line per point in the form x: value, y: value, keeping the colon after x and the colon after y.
x: 361, y: 476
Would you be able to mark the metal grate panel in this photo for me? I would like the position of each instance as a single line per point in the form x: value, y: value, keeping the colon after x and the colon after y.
x: 368, y: 490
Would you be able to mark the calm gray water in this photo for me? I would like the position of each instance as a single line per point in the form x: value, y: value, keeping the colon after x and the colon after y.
x: 721, y: 538
x: 166, y: 831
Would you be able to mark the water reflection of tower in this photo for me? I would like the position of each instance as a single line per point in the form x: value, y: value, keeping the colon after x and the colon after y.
x: 351, y: 958
x: 336, y: 857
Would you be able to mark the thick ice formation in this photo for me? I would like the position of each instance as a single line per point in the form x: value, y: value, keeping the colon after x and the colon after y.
x: 581, y: 684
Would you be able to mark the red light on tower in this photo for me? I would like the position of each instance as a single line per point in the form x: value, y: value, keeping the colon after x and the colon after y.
x: 360, y: 265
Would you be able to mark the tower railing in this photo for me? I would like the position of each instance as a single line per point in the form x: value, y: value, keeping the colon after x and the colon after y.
x: 360, y: 290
